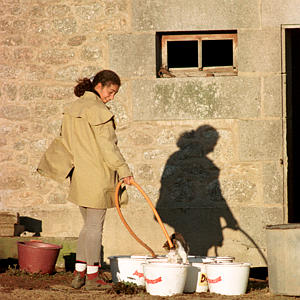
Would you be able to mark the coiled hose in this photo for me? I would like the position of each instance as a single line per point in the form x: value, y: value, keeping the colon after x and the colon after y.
x: 154, y: 211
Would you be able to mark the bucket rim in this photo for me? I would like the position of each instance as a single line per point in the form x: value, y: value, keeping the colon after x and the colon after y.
x: 229, y: 264
x: 118, y: 256
x: 165, y: 264
x: 34, y: 244
x: 129, y: 258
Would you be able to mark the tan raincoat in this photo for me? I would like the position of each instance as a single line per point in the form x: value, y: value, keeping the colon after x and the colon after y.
x: 87, y: 152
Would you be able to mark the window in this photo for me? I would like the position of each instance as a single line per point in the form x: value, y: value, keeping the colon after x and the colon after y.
x: 210, y: 53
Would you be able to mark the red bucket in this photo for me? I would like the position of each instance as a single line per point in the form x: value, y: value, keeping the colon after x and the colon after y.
x: 38, y: 257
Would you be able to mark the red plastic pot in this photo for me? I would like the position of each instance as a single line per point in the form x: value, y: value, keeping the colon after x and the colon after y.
x: 38, y: 257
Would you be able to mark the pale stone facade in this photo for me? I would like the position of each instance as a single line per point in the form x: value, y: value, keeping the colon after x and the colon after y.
x: 45, y: 45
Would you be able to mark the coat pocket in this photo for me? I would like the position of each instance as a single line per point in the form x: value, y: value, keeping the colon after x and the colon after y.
x: 110, y: 196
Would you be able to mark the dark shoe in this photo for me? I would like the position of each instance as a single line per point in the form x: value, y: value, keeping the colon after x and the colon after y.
x: 94, y: 282
x: 78, y: 280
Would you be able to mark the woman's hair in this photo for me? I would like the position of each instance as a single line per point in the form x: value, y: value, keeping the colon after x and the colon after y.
x: 105, y: 77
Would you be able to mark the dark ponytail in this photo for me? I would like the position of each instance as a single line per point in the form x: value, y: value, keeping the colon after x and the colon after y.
x: 105, y: 77
x: 82, y: 86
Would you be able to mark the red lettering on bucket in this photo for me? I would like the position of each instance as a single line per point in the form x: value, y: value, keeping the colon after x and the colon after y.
x: 153, y: 281
x: 136, y: 273
x: 214, y: 280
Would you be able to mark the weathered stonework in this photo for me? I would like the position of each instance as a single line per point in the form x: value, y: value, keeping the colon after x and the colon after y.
x: 208, y: 151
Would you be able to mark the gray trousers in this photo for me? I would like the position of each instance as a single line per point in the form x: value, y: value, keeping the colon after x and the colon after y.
x: 90, y: 237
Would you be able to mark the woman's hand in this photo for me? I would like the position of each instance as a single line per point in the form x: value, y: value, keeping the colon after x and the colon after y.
x: 127, y: 180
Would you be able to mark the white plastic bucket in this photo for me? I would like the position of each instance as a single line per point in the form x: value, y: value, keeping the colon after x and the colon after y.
x: 224, y: 259
x: 165, y: 279
x: 191, y: 279
x: 196, y: 280
x: 128, y: 269
x: 228, y: 278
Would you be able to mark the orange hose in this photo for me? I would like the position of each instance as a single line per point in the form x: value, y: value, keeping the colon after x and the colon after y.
x: 154, y: 211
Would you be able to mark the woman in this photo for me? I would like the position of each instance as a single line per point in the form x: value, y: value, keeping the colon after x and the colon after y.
x: 87, y: 152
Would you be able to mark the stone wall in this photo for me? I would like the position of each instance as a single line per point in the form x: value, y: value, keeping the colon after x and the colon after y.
x: 206, y: 150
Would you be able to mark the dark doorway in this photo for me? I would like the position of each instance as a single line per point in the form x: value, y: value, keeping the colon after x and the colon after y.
x: 292, y: 60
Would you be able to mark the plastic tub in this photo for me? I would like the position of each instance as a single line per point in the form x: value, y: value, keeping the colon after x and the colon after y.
x: 165, y: 279
x: 224, y: 259
x: 191, y: 279
x: 38, y: 257
x: 128, y: 268
x: 228, y: 278
x: 196, y: 280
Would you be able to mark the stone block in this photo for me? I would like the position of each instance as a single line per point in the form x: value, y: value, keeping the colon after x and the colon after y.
x: 10, y: 92
x: 56, y: 56
x: 277, y: 12
x: 59, y: 92
x: 173, y: 15
x: 9, y: 72
x: 5, y: 156
x: 3, y: 141
x: 272, y: 96
x: 31, y: 92
x: 260, y: 140
x: 12, y: 112
x: 202, y: 98
x: 7, y: 229
x: 144, y: 173
x: 76, y: 40
x: 113, y: 8
x: 58, y: 11
x: 137, y: 138
x: 36, y: 73
x: 69, y: 73
x: 155, y: 154
x: 40, y: 27
x: 253, y: 222
x: 91, y: 53
x: 259, y: 50
x: 57, y: 198
x: 166, y: 136
x: 273, y: 182
x: 8, y: 218
x: 239, y: 189
x: 225, y: 148
x: 12, y: 41
x: 136, y: 57
x: 90, y: 11
x: 24, y: 54
x: 66, y: 26
x: 22, y: 159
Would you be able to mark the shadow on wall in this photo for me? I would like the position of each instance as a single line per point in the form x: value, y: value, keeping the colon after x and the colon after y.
x: 190, y: 198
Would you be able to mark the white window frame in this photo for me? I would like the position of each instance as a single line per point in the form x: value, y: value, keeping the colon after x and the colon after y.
x: 200, y: 70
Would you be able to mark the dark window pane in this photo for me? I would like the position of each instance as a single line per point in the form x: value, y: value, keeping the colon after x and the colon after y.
x: 182, y: 54
x: 217, y: 53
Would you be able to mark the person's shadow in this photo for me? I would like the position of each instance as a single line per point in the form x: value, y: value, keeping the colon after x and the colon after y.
x: 190, y: 197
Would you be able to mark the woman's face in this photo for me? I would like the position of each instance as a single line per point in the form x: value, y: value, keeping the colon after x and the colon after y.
x: 107, y: 92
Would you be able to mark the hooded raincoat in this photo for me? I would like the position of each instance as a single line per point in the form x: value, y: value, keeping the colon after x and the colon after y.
x: 87, y: 152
